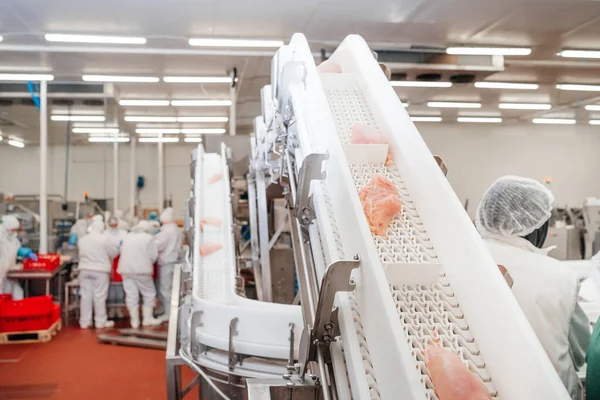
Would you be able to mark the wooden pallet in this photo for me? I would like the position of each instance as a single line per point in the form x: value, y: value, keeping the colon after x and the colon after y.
x: 42, y: 336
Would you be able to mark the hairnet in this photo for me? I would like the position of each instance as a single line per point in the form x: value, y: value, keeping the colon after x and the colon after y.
x: 167, y: 215
x: 118, y: 214
x: 97, y: 227
x: 142, y: 226
x: 514, y: 206
x: 10, y: 222
x: 113, y: 221
x: 97, y: 217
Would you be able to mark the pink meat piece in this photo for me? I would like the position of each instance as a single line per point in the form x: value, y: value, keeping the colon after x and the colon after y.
x: 380, y: 202
x: 210, y: 221
x: 209, y: 248
x: 365, y: 134
x: 451, y: 379
x: 215, y: 178
x: 329, y: 67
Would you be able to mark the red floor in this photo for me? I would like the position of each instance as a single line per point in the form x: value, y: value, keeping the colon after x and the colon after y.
x: 75, y: 366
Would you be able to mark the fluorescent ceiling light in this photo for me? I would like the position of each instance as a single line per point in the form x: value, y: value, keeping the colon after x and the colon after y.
x: 200, y: 103
x: 192, y: 139
x: 593, y: 107
x: 423, y: 84
x: 580, y: 53
x: 105, y: 131
x: 1, y: 138
x: 147, y: 103
x: 156, y: 140
x: 203, y: 131
x: 1, y: 38
x: 78, y: 118
x: 107, y: 139
x: 150, y: 131
x: 16, y: 143
x: 202, y: 119
x: 404, y: 104
x: 489, y: 51
x: 507, y: 85
x: 209, y: 42
x: 120, y: 78
x: 452, y: 104
x: 142, y: 118
x: 594, y: 122
x: 554, y: 121
x: 60, y: 37
x: 583, y: 88
x: 426, y: 119
x: 197, y: 79
x: 524, y: 106
x: 483, y: 120
x: 26, y: 77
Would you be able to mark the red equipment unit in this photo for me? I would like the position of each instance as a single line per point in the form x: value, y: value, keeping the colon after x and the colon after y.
x: 47, y: 262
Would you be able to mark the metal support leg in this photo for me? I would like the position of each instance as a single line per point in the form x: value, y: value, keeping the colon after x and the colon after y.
x: 173, y: 380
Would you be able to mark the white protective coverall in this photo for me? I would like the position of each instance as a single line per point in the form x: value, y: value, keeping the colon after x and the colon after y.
x: 96, y: 252
x: 9, y: 246
x: 138, y: 255
x: 168, y: 241
x: 512, y: 208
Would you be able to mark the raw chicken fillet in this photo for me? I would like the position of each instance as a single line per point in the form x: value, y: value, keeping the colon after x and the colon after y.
x: 329, y: 67
x: 451, y: 379
x: 209, y: 248
x: 215, y: 178
x: 365, y: 134
x: 380, y: 202
x: 216, y: 222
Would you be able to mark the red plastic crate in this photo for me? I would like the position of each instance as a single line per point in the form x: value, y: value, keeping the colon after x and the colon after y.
x: 5, y: 297
x: 48, y: 262
x: 55, y: 312
x: 30, y: 314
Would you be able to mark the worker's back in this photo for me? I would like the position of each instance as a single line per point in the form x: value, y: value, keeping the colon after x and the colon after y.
x: 96, y: 252
x: 169, y: 241
x: 138, y: 254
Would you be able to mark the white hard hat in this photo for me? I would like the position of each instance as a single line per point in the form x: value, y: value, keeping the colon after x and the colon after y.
x: 167, y: 215
x: 514, y: 206
x: 10, y: 222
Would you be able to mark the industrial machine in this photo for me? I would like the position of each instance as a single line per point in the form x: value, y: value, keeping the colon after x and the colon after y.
x: 368, y: 305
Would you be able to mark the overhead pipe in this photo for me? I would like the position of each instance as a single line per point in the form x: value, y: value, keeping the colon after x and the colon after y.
x: 132, y: 183
x: 43, y: 168
x: 233, y: 97
x: 115, y: 173
x: 161, y: 190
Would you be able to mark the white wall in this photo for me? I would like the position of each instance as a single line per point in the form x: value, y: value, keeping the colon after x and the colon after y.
x: 476, y: 154
x: 91, y: 170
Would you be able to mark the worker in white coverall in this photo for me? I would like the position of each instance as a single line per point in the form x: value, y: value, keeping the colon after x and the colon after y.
x: 513, y: 219
x: 138, y: 255
x: 122, y: 223
x: 10, y: 249
x: 96, y: 252
x: 168, y: 241
x: 115, y: 291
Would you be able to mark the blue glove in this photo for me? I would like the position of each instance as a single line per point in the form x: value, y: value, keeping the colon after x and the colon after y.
x: 24, y: 252
x: 33, y: 256
x: 72, y: 239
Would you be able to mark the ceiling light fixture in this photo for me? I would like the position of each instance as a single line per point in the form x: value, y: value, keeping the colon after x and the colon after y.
x: 594, y: 122
x: 426, y: 119
x: 569, y: 53
x: 421, y: 84
x: 1, y: 38
x: 105, y: 131
x: 593, y: 107
x: 120, y: 78
x: 78, y: 118
x: 482, y: 120
x: 202, y: 119
x: 107, y: 139
x: 489, y: 51
x: 210, y: 42
x: 583, y: 88
x: 203, y: 131
x: 197, y: 79
x: 554, y: 121
x: 152, y: 131
x: 26, y: 77
x: 524, y: 106
x: 157, y: 140
x: 67, y: 38
x: 192, y: 139
x: 16, y: 143
x: 452, y: 104
x: 151, y: 118
x: 507, y: 85
x: 144, y: 103
x: 200, y: 103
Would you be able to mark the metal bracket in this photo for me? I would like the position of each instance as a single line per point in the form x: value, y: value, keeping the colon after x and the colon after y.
x: 310, y: 170
x: 195, y: 322
x: 233, y: 359
x: 337, y: 278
